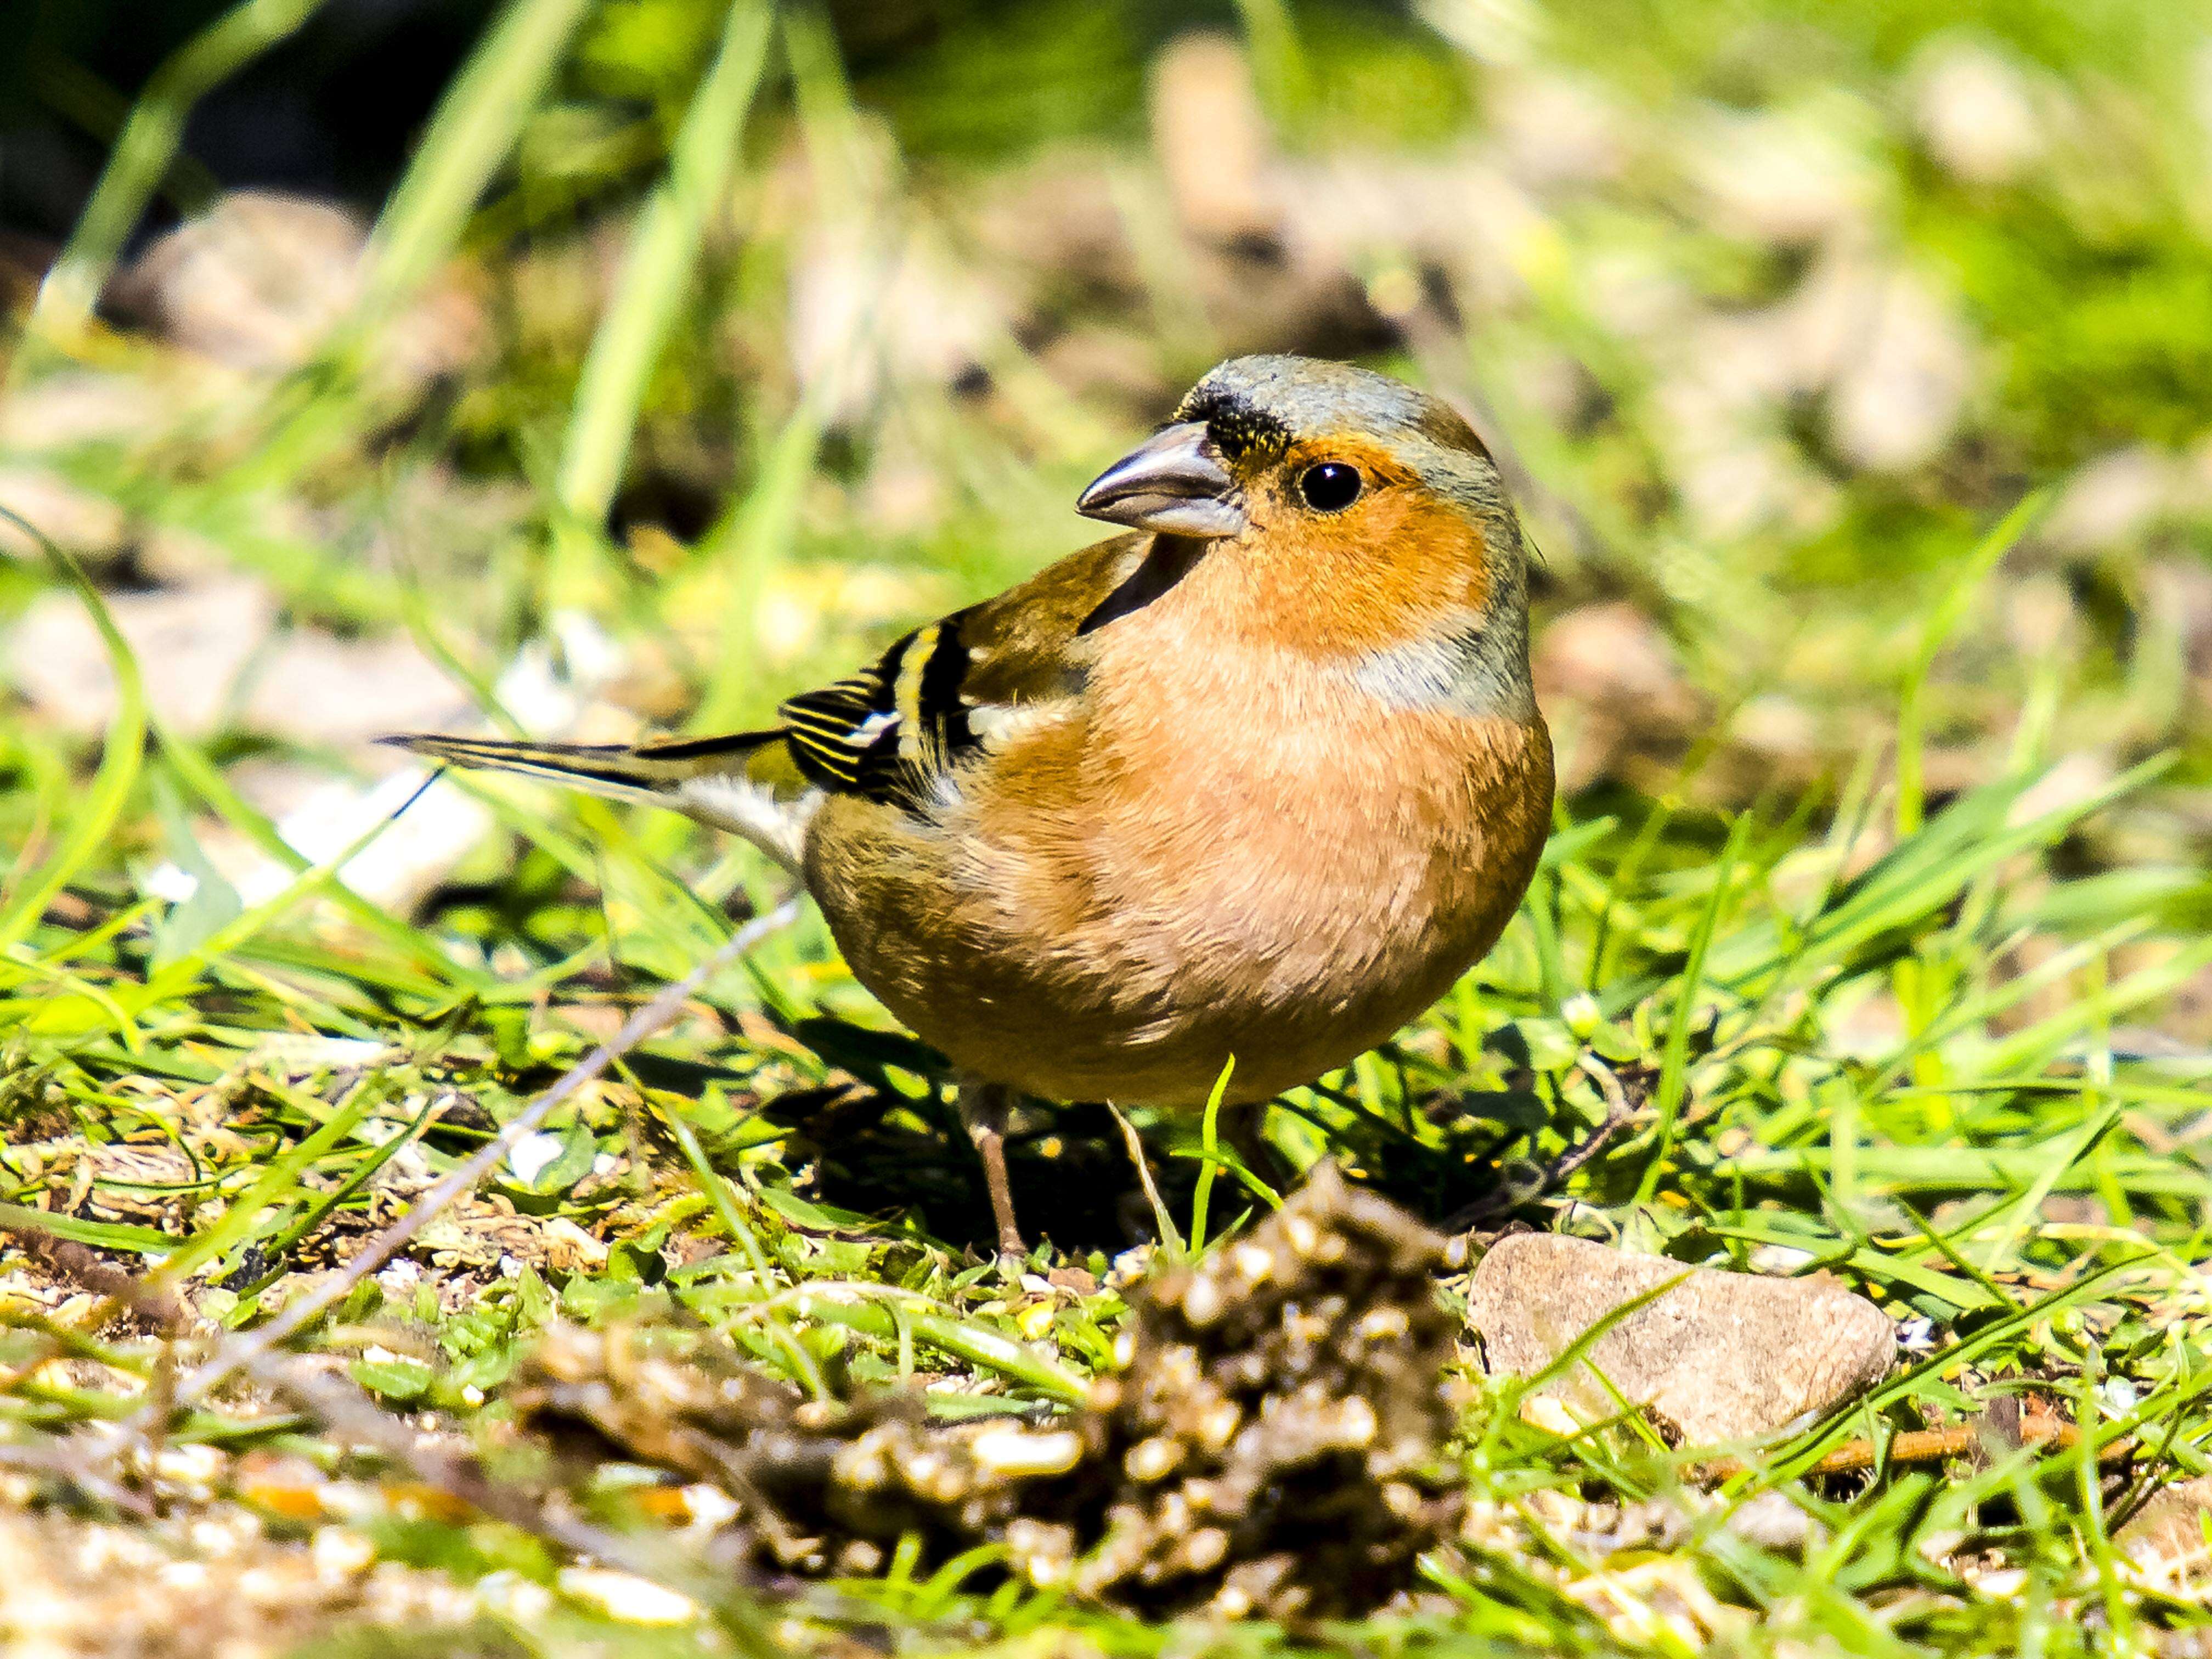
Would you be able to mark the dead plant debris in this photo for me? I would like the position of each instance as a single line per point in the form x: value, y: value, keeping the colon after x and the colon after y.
x: 1274, y: 1446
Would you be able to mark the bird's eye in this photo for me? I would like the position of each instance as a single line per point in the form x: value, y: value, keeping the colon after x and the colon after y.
x: 1331, y: 487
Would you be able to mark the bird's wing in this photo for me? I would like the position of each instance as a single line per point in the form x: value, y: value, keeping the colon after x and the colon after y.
x: 892, y: 730
x: 888, y: 732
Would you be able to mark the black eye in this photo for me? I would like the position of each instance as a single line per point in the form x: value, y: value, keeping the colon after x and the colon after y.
x: 1331, y: 487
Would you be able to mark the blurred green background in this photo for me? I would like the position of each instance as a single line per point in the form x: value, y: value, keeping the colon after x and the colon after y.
x: 586, y: 367
x: 1771, y: 306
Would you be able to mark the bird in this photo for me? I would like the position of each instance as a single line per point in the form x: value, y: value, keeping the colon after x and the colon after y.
x: 1259, y: 777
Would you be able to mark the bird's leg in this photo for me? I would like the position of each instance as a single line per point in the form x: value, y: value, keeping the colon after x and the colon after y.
x: 983, y: 1109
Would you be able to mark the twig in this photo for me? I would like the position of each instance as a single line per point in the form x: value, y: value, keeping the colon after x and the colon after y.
x: 243, y: 1352
x: 1929, y: 1446
x: 344, y: 1409
x: 118, y: 1293
x: 1617, y: 1112
x: 61, y: 1458
x: 1169, y: 1235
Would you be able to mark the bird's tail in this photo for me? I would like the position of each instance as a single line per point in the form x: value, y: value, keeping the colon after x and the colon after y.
x: 625, y: 772
x: 745, y: 782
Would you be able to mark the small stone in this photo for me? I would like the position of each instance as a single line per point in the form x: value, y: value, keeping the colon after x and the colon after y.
x: 2115, y: 500
x: 256, y: 282
x: 1976, y: 110
x: 1613, y: 685
x: 1213, y: 139
x: 1900, y: 394
x: 626, y: 1597
x: 2172, y: 1533
x: 1021, y: 1452
x: 1772, y: 1521
x: 530, y: 1155
x: 75, y: 521
x: 1721, y: 1356
x: 315, y: 688
x: 339, y: 1553
x: 191, y: 646
x: 1785, y: 177
x: 1152, y: 1460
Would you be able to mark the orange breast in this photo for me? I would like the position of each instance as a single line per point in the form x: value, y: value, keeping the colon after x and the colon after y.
x: 1220, y: 849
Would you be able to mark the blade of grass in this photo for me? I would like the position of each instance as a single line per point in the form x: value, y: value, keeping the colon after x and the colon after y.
x: 749, y: 539
x: 734, y: 1224
x: 1171, y: 1239
x: 119, y: 760
x: 1961, y: 1169
x: 2063, y: 1158
x: 144, y: 155
x: 202, y: 778
x: 476, y: 126
x: 853, y: 1305
x: 1203, y: 1194
x: 474, y: 130
x: 104, y: 1235
x: 276, y: 1182
x: 56, y: 1009
x: 1914, y: 879
x: 1674, y: 1066
x: 197, y: 774
x: 246, y: 1350
x: 172, y: 979
x: 96, y: 109
x: 2030, y: 1050
x: 1279, y: 62
x: 656, y: 273
x: 1793, y: 1459
x: 357, y: 1178
x: 1943, y: 620
x: 1977, y: 1010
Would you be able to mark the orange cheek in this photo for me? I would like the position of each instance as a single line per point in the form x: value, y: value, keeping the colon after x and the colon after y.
x: 1388, y: 569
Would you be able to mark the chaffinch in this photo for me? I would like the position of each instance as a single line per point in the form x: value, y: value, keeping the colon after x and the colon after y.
x: 1260, y: 778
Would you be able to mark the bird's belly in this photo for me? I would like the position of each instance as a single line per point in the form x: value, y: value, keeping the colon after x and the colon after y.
x: 1148, y: 1004
x: 1074, y: 964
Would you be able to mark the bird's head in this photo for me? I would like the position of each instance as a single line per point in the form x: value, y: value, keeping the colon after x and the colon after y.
x: 1366, y: 515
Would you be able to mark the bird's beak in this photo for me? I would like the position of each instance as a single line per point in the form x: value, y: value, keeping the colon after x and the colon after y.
x: 1171, y: 483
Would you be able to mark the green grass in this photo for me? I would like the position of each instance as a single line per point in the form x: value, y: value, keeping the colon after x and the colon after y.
x: 1918, y: 1169
x: 1906, y: 994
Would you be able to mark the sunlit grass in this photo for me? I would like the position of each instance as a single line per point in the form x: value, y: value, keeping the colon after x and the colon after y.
x: 1821, y: 990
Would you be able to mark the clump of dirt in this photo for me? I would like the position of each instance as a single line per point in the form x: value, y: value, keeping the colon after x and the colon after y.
x: 1273, y: 1445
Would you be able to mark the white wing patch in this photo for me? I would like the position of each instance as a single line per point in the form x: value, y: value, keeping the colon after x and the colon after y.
x: 996, y: 724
